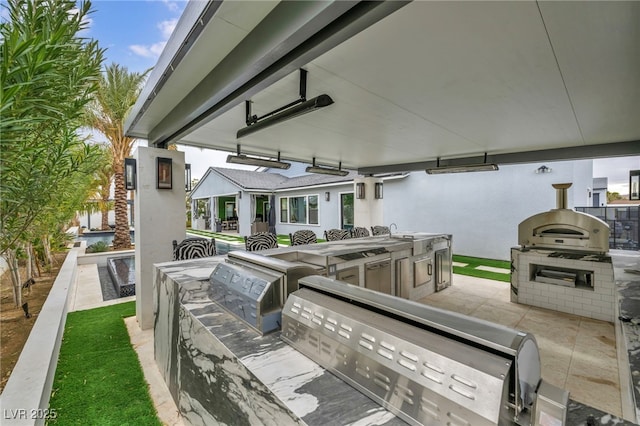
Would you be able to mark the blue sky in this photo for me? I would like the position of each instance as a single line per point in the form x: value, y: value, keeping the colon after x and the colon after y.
x: 133, y: 32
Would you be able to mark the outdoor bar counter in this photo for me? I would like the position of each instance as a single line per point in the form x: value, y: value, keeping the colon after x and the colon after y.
x: 219, y: 371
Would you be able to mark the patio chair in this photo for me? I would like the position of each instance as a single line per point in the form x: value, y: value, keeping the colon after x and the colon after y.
x: 337, y: 234
x: 194, y: 248
x: 380, y: 230
x: 302, y: 237
x: 359, y: 232
x: 260, y: 241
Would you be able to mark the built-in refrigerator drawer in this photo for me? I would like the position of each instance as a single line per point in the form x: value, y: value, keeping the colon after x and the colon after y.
x: 378, y: 276
x: 349, y: 275
x: 422, y: 272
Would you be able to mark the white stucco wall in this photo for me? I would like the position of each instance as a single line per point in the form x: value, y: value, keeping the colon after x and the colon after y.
x: 328, y: 211
x: 482, y: 210
x: 212, y: 184
x: 160, y: 218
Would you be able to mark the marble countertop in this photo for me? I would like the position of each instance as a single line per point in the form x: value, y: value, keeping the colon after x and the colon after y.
x: 317, y: 395
x: 626, y: 266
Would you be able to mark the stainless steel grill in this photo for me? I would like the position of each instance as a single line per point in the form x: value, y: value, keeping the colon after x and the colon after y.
x: 253, y: 287
x: 562, y: 228
x: 426, y: 365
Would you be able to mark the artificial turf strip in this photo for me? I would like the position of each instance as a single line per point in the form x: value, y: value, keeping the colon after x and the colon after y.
x: 98, y: 379
x: 473, y: 262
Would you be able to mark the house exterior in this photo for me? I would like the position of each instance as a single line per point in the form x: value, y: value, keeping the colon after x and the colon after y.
x: 482, y: 210
x: 241, y: 201
x: 599, y: 194
x: 457, y: 204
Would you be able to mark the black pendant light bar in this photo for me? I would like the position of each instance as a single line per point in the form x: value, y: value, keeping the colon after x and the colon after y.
x: 326, y: 170
x: 293, y: 109
x: 240, y: 158
x: 462, y: 168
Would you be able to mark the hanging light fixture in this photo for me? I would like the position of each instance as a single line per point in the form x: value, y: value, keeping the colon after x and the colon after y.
x: 322, y: 170
x: 255, y: 161
x: 479, y: 167
x: 293, y: 109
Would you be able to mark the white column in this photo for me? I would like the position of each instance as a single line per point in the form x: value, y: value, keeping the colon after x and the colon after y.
x: 160, y: 218
x: 367, y: 211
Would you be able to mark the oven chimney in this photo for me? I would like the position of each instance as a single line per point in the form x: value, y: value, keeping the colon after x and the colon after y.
x: 561, y: 194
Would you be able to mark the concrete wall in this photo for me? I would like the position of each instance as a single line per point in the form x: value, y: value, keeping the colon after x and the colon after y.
x: 25, y: 398
x: 482, y: 210
x: 160, y: 218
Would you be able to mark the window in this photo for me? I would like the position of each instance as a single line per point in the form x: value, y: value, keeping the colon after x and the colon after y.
x: 298, y: 206
x: 313, y: 209
x: 346, y: 210
x: 303, y: 209
x: 284, y: 210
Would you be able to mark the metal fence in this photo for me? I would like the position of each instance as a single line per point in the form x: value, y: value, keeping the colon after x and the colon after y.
x: 624, y: 223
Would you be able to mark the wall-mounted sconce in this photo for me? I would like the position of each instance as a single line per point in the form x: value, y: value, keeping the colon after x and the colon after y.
x: 360, y: 190
x: 130, y: 174
x: 634, y: 184
x: 327, y: 196
x: 378, y: 190
x: 163, y: 173
x: 543, y: 169
x: 239, y: 195
x: 187, y: 177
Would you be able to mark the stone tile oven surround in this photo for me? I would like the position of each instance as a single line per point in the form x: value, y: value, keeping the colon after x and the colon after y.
x: 593, y: 301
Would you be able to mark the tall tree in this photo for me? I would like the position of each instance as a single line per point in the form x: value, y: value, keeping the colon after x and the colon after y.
x: 48, y: 75
x: 117, y: 92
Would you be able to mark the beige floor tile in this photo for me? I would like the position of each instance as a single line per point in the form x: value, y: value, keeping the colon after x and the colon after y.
x: 600, y: 346
x: 603, y: 394
x: 555, y: 368
x: 492, y: 313
x: 596, y: 327
x: 577, y: 354
x: 142, y: 342
x: 459, y: 305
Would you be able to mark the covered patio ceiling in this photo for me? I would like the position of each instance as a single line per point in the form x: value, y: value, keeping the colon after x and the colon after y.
x: 414, y: 84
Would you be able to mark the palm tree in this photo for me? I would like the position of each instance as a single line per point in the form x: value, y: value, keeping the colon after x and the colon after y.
x: 118, y: 90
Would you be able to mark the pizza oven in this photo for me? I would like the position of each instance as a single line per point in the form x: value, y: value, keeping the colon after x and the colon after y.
x: 564, y: 229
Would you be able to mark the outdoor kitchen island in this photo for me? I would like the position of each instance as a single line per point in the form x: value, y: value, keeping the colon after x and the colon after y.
x: 407, y: 264
x: 219, y: 370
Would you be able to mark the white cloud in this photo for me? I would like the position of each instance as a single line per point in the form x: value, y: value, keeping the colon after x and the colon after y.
x: 171, y: 5
x: 152, y: 51
x: 167, y: 27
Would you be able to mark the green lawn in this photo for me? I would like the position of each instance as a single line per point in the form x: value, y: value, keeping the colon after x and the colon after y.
x: 99, y: 380
x: 473, y: 262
